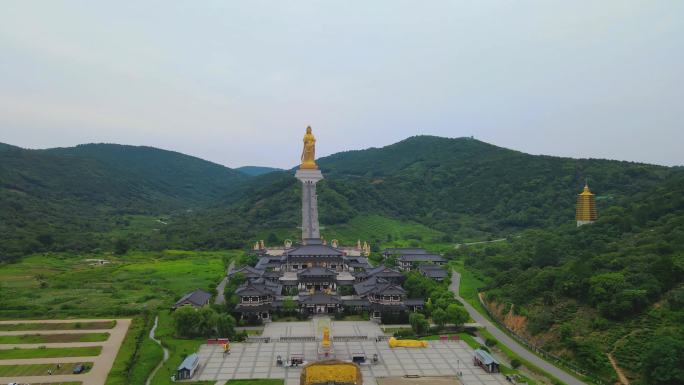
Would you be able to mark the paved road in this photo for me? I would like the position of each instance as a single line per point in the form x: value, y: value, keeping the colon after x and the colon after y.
x: 220, y: 299
x: 510, y: 342
x: 102, y: 363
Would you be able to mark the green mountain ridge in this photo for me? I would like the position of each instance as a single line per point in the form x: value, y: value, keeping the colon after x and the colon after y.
x: 67, y: 198
x: 257, y: 170
x: 464, y: 187
x: 76, y: 197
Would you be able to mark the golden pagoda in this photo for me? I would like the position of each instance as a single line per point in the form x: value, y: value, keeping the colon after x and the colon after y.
x: 586, y: 207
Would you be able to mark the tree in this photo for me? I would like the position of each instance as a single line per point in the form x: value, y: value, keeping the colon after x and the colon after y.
x: 289, y: 306
x: 185, y: 320
x: 440, y: 317
x: 456, y: 314
x: 206, y: 327
x: 120, y: 246
x: 663, y: 362
x: 225, y: 326
x: 418, y: 323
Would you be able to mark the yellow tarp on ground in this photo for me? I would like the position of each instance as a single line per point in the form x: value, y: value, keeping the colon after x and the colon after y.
x: 331, y: 371
x: 395, y: 343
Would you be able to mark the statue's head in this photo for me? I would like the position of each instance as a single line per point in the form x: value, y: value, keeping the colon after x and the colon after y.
x: 308, y: 129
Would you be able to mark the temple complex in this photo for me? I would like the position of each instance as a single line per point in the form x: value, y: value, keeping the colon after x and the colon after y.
x: 585, y: 212
x: 314, y: 274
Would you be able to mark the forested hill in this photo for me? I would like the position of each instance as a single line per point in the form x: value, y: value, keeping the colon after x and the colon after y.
x: 257, y: 170
x: 462, y: 187
x: 65, y: 198
x: 615, y: 287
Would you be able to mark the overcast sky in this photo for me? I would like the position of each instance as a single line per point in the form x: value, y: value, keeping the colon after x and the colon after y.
x: 237, y: 82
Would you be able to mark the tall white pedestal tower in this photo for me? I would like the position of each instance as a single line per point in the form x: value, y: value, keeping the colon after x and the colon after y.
x: 310, y: 229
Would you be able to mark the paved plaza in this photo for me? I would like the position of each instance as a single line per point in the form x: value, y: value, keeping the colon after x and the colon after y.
x: 258, y: 360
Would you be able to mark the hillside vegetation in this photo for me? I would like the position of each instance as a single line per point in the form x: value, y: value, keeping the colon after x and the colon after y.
x: 464, y: 188
x: 615, y: 287
x: 71, y: 198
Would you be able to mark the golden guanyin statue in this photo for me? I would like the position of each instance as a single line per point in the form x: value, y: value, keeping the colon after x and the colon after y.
x: 309, y: 152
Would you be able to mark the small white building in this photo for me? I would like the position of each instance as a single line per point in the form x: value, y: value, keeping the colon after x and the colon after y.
x: 188, y: 367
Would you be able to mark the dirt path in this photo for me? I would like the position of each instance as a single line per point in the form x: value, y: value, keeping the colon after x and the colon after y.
x: 621, y: 376
x: 102, y: 363
x: 166, y: 352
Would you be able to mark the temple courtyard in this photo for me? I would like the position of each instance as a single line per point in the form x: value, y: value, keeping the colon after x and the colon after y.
x: 442, y: 359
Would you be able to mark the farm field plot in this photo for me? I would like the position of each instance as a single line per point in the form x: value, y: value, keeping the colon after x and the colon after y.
x: 40, y: 369
x: 13, y: 354
x: 44, y: 325
x: 53, y: 338
x: 60, y: 351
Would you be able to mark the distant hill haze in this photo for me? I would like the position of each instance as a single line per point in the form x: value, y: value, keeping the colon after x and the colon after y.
x: 257, y: 170
x: 77, y: 197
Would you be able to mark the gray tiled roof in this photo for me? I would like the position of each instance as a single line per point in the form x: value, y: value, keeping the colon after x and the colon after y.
x: 314, y: 250
x: 316, y: 271
x: 433, y: 271
x: 198, y: 297
x: 319, y: 299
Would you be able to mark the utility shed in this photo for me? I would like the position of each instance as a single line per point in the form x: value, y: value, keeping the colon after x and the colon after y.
x: 188, y: 367
x: 486, y: 361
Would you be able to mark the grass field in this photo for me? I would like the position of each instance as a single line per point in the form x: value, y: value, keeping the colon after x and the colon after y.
x: 52, y: 338
x: 137, y: 356
x: 39, y: 369
x: 11, y: 354
x: 178, y: 348
x: 64, y: 285
x: 371, y: 228
x: 58, y: 326
x: 469, y: 285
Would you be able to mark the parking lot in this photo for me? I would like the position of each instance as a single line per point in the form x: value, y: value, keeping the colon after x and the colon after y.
x: 258, y: 360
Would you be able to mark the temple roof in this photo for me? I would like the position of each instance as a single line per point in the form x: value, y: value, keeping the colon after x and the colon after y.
x: 384, y: 271
x: 198, y: 297
x: 316, y: 271
x: 433, y: 271
x: 319, y: 299
x: 247, y: 271
x: 259, y: 287
x: 313, y: 250
x: 378, y: 286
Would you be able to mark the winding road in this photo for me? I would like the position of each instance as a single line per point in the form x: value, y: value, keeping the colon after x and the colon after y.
x: 508, y: 341
x: 220, y: 298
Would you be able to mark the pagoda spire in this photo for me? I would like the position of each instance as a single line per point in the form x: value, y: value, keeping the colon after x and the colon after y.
x: 585, y: 211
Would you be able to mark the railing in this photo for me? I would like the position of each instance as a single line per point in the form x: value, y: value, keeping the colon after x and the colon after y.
x: 349, y: 338
x: 257, y: 339
x: 539, y: 351
x: 298, y: 339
